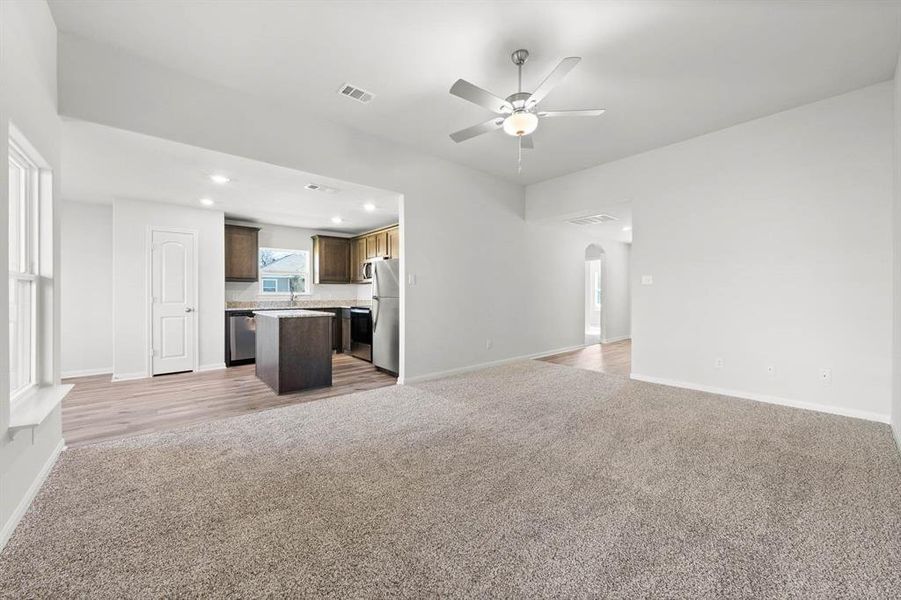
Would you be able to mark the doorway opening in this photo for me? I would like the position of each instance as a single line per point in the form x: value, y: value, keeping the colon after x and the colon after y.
x: 594, y: 298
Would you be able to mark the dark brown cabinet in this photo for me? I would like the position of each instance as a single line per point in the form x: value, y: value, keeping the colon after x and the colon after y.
x: 378, y: 244
x: 357, y: 258
x: 241, y: 253
x: 371, y: 250
x: 381, y: 243
x: 331, y: 259
x: 393, y: 236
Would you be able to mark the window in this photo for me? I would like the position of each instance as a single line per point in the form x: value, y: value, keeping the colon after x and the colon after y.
x: 23, y: 270
x: 597, y: 287
x: 284, y: 271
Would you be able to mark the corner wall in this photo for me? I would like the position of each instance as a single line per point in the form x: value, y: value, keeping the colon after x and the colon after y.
x: 463, y: 233
x: 86, y: 279
x: 28, y: 100
x: 769, y: 244
x: 896, y: 269
x: 131, y: 222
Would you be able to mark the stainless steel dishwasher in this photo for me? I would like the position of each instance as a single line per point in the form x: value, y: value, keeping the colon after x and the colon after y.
x: 242, y: 337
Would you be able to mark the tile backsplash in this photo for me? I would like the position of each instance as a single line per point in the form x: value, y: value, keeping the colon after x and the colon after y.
x: 250, y: 292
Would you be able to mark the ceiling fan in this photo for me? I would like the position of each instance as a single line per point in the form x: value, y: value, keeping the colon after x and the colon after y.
x: 518, y: 113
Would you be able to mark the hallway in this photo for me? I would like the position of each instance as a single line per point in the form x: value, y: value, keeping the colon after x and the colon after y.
x: 614, y: 358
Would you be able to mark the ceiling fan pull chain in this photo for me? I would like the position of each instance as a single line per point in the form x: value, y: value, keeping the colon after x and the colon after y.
x: 519, y: 161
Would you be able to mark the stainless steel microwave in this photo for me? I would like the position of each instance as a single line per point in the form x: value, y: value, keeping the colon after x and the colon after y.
x: 369, y: 268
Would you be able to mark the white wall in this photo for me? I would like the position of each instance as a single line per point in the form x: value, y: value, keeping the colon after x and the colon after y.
x: 131, y: 222
x: 555, y: 288
x: 769, y: 244
x: 896, y: 221
x: 28, y: 100
x: 86, y: 279
x: 292, y: 238
x: 463, y: 232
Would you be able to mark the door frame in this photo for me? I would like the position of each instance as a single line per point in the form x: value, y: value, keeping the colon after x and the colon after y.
x: 148, y: 291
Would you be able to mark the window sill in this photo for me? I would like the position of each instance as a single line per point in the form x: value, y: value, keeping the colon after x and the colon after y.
x: 31, y: 410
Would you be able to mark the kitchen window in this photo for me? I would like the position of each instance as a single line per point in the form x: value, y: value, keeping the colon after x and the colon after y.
x: 284, y: 272
x: 23, y: 271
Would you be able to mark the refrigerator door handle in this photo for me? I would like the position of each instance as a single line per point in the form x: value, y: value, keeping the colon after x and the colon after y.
x: 375, y: 317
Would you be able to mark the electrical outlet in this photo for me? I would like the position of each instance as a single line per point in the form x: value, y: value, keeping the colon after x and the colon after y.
x: 826, y: 376
x: 718, y: 363
x: 488, y: 344
x: 647, y: 280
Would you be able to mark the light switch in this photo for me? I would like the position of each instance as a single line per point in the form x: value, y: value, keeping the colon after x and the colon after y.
x: 647, y: 280
x: 411, y: 279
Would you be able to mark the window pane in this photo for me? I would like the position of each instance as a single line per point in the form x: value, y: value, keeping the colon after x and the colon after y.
x: 279, y: 268
x: 16, y: 201
x: 21, y: 294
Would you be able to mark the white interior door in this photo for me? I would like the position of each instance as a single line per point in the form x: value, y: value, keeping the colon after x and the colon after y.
x: 173, y: 291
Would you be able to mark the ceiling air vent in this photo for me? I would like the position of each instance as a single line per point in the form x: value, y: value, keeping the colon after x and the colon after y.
x: 593, y: 219
x: 355, y: 93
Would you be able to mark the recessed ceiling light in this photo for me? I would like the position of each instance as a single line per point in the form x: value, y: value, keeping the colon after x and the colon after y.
x: 369, y: 206
x: 336, y: 220
x: 220, y: 179
x: 627, y: 228
x: 206, y: 201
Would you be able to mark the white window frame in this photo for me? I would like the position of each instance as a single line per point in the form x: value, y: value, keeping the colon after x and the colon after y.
x: 309, y: 284
x: 29, y: 252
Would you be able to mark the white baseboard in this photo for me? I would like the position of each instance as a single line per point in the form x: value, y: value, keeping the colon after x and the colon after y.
x: 824, y: 408
x: 10, y: 526
x: 129, y: 376
x: 212, y: 367
x: 86, y: 373
x: 616, y: 339
x: 485, y: 365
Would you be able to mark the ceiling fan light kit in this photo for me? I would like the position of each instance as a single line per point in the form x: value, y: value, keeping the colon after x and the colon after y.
x: 520, y: 123
x: 518, y: 112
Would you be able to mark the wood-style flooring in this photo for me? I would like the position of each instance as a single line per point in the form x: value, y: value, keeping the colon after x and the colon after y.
x: 98, y: 409
x: 615, y: 358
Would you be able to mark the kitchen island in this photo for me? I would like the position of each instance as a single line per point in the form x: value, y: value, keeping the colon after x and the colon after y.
x: 294, y: 349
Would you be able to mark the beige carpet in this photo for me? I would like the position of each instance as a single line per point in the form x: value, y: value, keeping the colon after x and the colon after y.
x: 530, y: 480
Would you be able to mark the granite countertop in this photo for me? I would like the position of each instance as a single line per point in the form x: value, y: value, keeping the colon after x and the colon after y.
x: 296, y: 305
x: 292, y: 314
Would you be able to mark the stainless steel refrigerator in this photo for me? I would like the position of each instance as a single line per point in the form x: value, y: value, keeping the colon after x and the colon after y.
x: 386, y: 314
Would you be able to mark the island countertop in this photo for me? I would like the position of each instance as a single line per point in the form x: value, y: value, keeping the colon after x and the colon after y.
x: 291, y: 314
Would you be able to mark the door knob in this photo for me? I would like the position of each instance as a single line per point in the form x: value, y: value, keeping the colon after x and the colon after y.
x: 189, y: 309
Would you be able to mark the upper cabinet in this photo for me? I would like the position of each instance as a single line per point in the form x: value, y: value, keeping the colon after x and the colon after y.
x: 331, y: 259
x: 393, y: 236
x: 342, y: 260
x: 381, y: 244
x: 241, y: 253
x: 378, y: 244
x: 357, y: 258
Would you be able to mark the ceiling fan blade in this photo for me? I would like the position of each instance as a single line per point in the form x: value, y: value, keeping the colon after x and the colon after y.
x: 527, y: 142
x: 566, y: 65
x: 594, y: 112
x: 471, y: 132
x: 476, y: 95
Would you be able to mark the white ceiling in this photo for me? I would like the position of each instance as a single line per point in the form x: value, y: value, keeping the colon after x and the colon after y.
x: 665, y: 71
x: 100, y: 164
